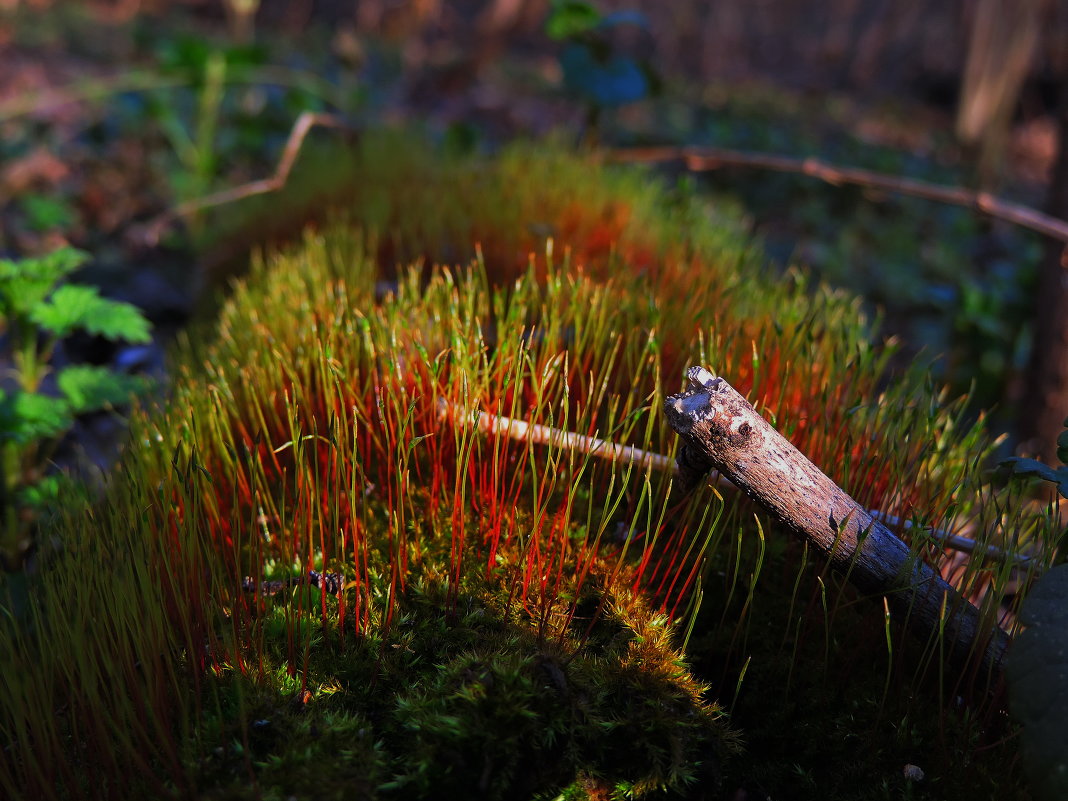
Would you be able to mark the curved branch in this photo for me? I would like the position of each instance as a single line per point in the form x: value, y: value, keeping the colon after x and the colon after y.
x: 307, y: 120
x: 707, y: 159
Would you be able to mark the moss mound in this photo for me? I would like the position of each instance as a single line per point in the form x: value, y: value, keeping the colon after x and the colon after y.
x: 515, y: 608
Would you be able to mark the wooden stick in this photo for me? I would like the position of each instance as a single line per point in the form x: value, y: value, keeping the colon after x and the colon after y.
x: 720, y: 430
x: 522, y: 431
x: 305, y: 122
x: 958, y: 542
x: 707, y: 159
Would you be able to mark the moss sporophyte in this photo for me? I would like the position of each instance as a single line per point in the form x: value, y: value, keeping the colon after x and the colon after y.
x: 494, y: 615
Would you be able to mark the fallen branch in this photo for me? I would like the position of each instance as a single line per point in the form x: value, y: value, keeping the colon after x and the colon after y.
x: 305, y: 122
x: 720, y: 430
x: 707, y: 159
x: 522, y: 431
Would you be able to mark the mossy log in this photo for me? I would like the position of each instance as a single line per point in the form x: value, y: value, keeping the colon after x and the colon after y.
x: 722, y: 431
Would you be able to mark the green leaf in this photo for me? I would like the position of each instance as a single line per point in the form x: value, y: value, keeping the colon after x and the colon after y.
x: 26, y: 416
x: 570, y: 18
x: 25, y: 283
x: 81, y: 307
x: 50, y: 492
x: 1037, y: 676
x: 1033, y: 467
x: 1029, y: 467
x: 44, y: 212
x: 89, y: 388
x: 606, y: 81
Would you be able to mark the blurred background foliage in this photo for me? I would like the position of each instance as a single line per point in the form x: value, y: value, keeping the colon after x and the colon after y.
x: 114, y: 112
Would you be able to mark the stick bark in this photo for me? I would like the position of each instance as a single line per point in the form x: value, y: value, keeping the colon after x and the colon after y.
x: 720, y: 430
x: 150, y: 234
x: 712, y: 158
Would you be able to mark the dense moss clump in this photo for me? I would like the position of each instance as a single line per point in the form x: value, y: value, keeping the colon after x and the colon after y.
x: 515, y: 608
x: 445, y: 705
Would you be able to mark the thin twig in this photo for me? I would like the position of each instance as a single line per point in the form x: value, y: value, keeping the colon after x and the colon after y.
x: 707, y: 159
x: 305, y: 122
x: 538, y: 434
x: 557, y: 437
x: 957, y: 542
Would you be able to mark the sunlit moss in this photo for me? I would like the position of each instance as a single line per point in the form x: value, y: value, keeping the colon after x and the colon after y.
x: 514, y: 611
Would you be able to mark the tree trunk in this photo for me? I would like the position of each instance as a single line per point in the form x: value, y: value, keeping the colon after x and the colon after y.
x: 721, y: 430
x: 1045, y: 404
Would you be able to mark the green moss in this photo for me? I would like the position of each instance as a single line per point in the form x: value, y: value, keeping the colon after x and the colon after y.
x: 827, y: 710
x: 473, y: 702
x: 514, y: 609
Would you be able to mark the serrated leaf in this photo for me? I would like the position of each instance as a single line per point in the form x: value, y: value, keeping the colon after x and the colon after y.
x: 88, y: 388
x: 25, y: 283
x: 80, y: 307
x: 570, y: 18
x: 27, y: 416
x: 1037, y: 676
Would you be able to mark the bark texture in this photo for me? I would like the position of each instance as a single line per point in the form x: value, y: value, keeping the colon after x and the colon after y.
x: 722, y: 431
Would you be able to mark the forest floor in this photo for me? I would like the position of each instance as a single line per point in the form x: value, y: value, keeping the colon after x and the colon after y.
x: 106, y: 126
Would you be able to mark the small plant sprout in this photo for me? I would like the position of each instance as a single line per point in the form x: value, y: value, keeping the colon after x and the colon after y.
x: 37, y: 311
